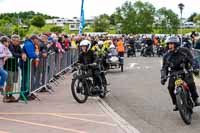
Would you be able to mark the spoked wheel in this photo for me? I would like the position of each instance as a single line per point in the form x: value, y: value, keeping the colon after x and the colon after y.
x: 79, y: 91
x: 185, y: 112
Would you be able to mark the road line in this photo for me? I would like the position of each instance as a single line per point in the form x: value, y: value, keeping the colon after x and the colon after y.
x: 86, y: 120
x: 42, y: 125
x: 133, y: 65
x: 68, y: 114
x: 123, y: 124
x: 4, y: 132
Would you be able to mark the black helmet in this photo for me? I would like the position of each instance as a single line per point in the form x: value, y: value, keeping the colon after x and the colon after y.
x: 174, y: 40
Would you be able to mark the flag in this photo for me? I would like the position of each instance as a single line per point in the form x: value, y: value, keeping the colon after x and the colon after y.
x: 82, y: 18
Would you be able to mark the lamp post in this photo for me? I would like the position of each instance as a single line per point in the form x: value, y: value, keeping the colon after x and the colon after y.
x: 181, y: 6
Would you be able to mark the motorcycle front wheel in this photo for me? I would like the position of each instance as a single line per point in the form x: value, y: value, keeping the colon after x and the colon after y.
x: 185, y: 112
x: 79, y: 91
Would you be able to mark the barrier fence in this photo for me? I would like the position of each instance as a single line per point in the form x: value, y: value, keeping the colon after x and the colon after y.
x: 25, y: 78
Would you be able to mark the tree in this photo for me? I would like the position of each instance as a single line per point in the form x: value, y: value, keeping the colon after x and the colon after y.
x: 145, y: 16
x: 136, y: 17
x: 168, y: 20
x: 56, y: 29
x: 38, y: 21
x: 197, y: 18
x: 101, y: 23
x: 191, y: 18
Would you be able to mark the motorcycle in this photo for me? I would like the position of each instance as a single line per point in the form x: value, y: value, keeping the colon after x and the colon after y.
x: 83, y: 85
x: 184, y: 100
x: 160, y: 51
x: 146, y: 51
x: 131, y: 51
x: 115, y: 62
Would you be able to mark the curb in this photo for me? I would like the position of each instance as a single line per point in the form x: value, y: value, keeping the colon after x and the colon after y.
x: 123, y: 124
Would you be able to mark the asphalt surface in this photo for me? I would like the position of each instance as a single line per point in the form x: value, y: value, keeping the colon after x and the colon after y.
x: 138, y: 97
x: 56, y: 113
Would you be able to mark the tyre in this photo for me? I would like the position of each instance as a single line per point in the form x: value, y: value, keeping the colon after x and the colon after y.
x: 79, y: 91
x: 185, y: 112
x: 103, y: 94
x: 104, y: 82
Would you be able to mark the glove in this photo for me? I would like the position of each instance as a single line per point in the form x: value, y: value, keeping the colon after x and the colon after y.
x: 163, y: 80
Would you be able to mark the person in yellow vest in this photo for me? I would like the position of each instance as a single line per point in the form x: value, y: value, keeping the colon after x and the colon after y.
x: 73, y: 43
x: 99, y: 49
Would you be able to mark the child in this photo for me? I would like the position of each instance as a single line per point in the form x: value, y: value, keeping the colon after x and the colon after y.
x: 4, y: 55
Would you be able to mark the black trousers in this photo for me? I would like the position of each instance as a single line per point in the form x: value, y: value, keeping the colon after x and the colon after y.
x: 190, y: 81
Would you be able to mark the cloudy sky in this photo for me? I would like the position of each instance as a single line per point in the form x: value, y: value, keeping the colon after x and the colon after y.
x: 71, y: 8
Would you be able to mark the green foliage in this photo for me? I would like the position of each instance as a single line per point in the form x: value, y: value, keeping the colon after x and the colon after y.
x: 56, y: 29
x: 197, y: 18
x: 21, y: 31
x: 101, y: 23
x: 136, y: 17
x: 38, y: 21
x: 191, y: 18
x: 169, y: 21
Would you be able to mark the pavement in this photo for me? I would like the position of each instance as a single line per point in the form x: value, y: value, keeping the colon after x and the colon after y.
x: 139, y: 98
x: 60, y: 113
x: 137, y: 104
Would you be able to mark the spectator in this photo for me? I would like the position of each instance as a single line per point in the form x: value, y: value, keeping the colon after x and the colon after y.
x: 31, y: 48
x: 4, y: 55
x: 40, y: 73
x: 67, y: 42
x: 11, y: 66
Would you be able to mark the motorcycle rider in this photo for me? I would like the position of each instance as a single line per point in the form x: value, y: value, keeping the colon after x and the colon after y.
x: 87, y: 57
x: 173, y: 60
x: 101, y: 52
x: 99, y: 49
x: 131, y: 42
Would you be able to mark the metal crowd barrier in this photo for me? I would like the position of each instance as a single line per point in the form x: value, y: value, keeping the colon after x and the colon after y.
x: 29, y: 77
x: 50, y: 67
x: 18, y: 82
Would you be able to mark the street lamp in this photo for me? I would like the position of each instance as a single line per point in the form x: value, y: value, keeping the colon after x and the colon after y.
x: 181, y: 6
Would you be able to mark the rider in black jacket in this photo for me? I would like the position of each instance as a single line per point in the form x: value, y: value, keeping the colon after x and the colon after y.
x: 174, y: 60
x: 87, y: 57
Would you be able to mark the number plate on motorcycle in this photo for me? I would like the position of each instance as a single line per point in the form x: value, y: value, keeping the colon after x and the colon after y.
x: 178, y: 82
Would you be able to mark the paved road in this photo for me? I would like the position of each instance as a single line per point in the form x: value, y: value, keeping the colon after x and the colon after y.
x: 56, y: 113
x: 140, y: 99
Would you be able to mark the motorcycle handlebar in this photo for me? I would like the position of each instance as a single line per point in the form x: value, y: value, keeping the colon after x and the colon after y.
x: 180, y: 72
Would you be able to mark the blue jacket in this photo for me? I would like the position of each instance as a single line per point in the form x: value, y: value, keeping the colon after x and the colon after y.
x: 29, y: 48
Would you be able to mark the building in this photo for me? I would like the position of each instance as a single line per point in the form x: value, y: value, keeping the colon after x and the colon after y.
x: 73, y: 23
x: 189, y: 25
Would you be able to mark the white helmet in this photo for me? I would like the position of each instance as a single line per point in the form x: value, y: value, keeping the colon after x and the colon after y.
x: 112, y: 46
x: 85, y: 43
x: 100, y: 43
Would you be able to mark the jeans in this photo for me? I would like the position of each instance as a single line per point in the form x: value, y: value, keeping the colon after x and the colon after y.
x: 4, y: 76
x: 121, y: 54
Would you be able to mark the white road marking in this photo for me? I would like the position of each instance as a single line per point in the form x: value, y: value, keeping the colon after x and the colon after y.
x: 132, y: 66
x: 123, y: 124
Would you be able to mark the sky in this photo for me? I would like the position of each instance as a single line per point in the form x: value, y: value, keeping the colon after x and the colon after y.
x: 71, y: 8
